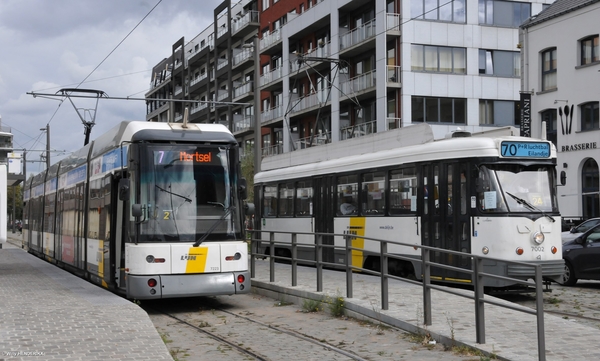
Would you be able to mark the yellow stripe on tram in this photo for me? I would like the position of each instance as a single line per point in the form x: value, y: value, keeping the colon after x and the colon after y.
x: 357, y: 227
x: 196, y: 262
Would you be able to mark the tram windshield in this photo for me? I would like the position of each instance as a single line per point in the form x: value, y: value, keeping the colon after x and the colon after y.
x: 185, y: 192
x: 516, y: 188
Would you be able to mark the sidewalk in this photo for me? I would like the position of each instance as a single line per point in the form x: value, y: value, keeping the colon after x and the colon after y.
x: 48, y: 313
x: 509, y: 334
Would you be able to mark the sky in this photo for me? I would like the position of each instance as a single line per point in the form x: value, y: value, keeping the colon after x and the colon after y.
x: 51, y: 45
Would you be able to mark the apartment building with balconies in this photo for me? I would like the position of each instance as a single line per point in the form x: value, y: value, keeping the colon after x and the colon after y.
x: 334, y: 70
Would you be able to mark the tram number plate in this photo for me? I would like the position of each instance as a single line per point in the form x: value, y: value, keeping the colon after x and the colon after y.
x: 537, y: 249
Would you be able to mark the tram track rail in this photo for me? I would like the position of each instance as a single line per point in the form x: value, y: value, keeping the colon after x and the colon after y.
x: 255, y: 354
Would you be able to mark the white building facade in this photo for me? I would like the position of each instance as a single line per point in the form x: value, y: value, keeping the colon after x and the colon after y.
x: 561, y: 72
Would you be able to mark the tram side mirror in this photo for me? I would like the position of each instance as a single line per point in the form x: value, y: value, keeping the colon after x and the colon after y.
x: 563, y: 178
x: 124, y: 189
x: 243, y: 188
x: 249, y: 209
x: 136, y: 210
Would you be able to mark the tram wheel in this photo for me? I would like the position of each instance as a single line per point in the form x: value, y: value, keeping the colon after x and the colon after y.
x: 568, y: 278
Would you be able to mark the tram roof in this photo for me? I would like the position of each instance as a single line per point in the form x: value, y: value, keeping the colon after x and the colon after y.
x: 453, y: 148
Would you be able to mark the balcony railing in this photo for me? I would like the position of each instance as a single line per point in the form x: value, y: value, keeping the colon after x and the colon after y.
x: 198, y: 107
x: 273, y: 113
x: 243, y: 124
x: 222, y: 30
x: 241, y: 56
x: 178, y: 90
x: 272, y: 38
x: 393, y: 73
x: 321, y: 51
x: 272, y: 150
x: 358, y: 35
x: 223, y: 94
x: 198, y: 79
x: 271, y: 76
x: 392, y: 22
x: 317, y: 140
x: 193, y: 52
x: 243, y: 89
x: 358, y: 83
x: 249, y: 17
x: 358, y: 130
x: 393, y: 123
x: 311, y: 100
x: 222, y: 63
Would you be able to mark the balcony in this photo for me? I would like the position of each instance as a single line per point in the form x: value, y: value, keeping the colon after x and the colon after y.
x: 222, y: 63
x: 223, y: 94
x: 242, y: 56
x: 310, y: 101
x: 269, y: 40
x: 273, y: 113
x: 242, y: 23
x: 320, y: 139
x: 198, y: 107
x: 244, y: 89
x: 358, y: 35
x: 244, y: 124
x: 358, y: 84
x: 322, y: 51
x: 222, y: 31
x: 358, y: 130
x: 272, y: 150
x: 198, y: 79
x: 392, y: 24
x: 393, y: 75
x: 271, y: 76
x: 393, y: 123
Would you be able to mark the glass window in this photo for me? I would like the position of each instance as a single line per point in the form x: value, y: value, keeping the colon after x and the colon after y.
x: 304, y: 198
x: 498, y: 112
x: 286, y: 199
x: 438, y: 59
x: 589, y: 116
x: 503, y: 13
x: 549, y: 69
x: 439, y: 110
x: 452, y: 11
x: 549, y: 116
x: 269, y: 206
x: 403, y: 191
x: 589, y: 50
x: 500, y: 63
x: 373, y: 193
x: 347, y: 195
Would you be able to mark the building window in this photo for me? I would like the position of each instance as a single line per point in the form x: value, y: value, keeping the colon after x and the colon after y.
x: 499, y: 112
x: 439, y: 110
x: 589, y: 50
x: 500, y: 63
x: 549, y: 69
x: 442, y: 10
x: 589, y: 188
x: 589, y: 116
x: 549, y: 116
x: 503, y: 13
x: 439, y: 59
x: 265, y: 4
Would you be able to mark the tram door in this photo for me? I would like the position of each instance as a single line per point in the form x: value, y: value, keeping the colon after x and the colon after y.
x: 445, y: 222
x: 323, y: 214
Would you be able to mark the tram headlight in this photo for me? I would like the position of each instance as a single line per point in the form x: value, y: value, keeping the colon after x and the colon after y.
x: 538, y: 237
x: 485, y: 250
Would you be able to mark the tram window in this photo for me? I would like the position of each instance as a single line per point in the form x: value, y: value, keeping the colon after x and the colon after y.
x: 403, y: 191
x: 347, y: 195
x: 304, y: 198
x: 373, y: 193
x: 286, y: 199
x: 269, y: 206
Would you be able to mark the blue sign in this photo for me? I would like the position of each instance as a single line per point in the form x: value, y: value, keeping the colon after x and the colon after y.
x: 525, y: 149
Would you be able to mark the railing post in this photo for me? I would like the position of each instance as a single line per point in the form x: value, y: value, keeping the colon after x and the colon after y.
x: 479, y: 303
x: 348, y: 266
x: 294, y: 259
x: 253, y: 255
x: 319, y: 255
x: 384, y: 276
x: 426, y: 290
x: 539, y: 307
x: 272, y: 258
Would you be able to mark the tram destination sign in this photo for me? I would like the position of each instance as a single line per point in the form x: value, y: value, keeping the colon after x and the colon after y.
x: 525, y: 149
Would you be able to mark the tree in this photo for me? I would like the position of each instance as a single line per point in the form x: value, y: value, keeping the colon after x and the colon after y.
x: 248, y: 171
x: 15, y: 192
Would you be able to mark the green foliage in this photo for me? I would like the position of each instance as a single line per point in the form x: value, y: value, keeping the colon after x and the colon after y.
x: 310, y: 305
x: 248, y: 171
x: 15, y: 193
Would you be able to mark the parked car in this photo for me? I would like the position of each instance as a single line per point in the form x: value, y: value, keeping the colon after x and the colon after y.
x: 579, y: 230
x: 582, y: 257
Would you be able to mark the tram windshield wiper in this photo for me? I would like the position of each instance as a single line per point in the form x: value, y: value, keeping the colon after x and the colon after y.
x: 530, y: 206
x: 175, y: 194
x: 214, y: 226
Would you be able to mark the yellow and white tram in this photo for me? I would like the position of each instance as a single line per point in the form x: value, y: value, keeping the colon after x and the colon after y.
x: 488, y: 196
x: 148, y: 210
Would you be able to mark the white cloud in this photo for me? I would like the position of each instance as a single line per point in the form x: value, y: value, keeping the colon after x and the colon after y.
x: 49, y: 45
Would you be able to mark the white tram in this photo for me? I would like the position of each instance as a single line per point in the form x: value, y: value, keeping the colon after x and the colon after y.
x: 147, y: 210
x: 493, y: 197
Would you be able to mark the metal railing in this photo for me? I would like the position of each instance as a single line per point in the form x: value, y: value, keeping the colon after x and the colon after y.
x: 476, y: 272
